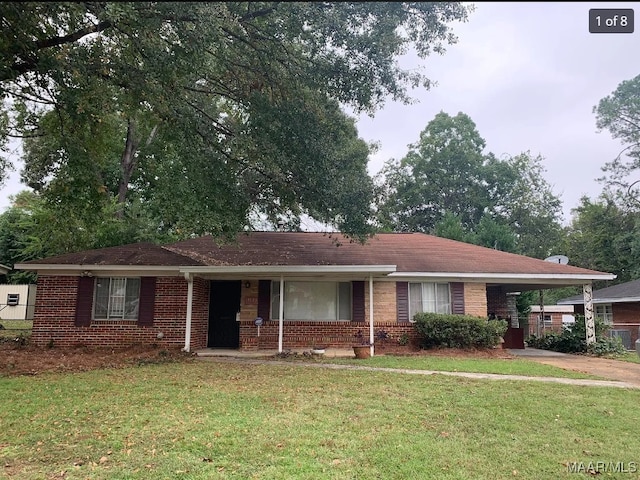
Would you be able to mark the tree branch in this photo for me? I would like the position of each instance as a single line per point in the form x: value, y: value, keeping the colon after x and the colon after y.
x: 19, y: 68
x: 73, y: 37
x: 258, y: 13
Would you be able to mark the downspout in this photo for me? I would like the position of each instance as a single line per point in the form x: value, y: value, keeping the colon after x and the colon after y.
x: 281, y: 314
x: 371, y: 348
x: 588, y: 313
x: 187, y: 331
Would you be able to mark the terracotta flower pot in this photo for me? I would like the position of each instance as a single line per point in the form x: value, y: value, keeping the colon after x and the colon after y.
x: 362, y: 351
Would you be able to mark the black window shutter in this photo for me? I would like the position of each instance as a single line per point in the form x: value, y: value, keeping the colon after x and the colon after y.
x: 264, y: 299
x: 146, y: 307
x: 84, y: 301
x: 402, y: 301
x: 457, y: 298
x: 357, y: 301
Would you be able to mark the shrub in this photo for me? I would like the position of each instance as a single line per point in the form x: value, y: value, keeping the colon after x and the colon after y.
x: 573, y: 339
x: 458, y: 331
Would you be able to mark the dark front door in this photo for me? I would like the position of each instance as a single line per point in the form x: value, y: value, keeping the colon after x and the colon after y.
x: 224, y: 304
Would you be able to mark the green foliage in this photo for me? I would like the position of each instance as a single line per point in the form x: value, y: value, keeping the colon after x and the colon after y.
x: 602, y: 236
x: 458, y: 331
x: 448, y: 186
x: 199, y: 114
x: 620, y: 114
x: 403, y: 339
x: 573, y: 339
x: 34, y: 228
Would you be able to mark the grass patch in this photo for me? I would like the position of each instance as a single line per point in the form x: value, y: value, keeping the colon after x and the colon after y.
x: 628, y: 356
x: 214, y: 420
x: 516, y: 366
x: 14, y: 328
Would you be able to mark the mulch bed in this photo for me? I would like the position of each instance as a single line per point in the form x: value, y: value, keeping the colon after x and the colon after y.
x: 18, y: 357
x: 21, y: 358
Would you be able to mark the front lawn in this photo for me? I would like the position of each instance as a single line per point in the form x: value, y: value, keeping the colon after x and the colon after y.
x: 514, y: 366
x: 628, y: 356
x: 215, y: 420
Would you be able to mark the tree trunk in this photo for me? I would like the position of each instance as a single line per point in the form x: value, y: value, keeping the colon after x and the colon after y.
x: 128, y: 162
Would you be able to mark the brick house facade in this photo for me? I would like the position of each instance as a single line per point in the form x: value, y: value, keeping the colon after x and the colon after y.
x: 618, y: 306
x: 199, y: 294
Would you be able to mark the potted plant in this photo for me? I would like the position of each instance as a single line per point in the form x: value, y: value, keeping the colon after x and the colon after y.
x: 362, y: 349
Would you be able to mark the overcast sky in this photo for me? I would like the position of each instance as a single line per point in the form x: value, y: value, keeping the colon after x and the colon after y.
x: 528, y: 75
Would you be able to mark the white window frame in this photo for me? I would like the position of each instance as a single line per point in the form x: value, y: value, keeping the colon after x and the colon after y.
x: 438, y: 307
x: 275, y: 300
x: 604, y: 312
x: 121, y: 303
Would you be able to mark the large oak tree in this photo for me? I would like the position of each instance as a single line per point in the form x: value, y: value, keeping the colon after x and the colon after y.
x: 202, y: 115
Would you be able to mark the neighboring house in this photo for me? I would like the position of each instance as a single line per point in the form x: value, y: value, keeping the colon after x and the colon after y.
x: 618, y: 306
x: 17, y: 302
x: 277, y: 289
x: 553, y: 318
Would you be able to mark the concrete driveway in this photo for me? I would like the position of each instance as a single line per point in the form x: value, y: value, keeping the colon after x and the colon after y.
x: 602, y: 367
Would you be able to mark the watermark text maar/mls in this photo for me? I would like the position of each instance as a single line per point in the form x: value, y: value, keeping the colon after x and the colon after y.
x: 602, y: 467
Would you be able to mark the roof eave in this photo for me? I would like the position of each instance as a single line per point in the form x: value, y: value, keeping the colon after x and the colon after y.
x: 290, y: 269
x: 600, y: 301
x: 524, y: 278
x: 90, y: 268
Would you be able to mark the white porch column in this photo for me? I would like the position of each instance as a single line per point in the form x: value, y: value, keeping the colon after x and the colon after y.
x: 371, y: 348
x: 541, y: 319
x: 281, y: 315
x: 588, y: 313
x: 187, y: 331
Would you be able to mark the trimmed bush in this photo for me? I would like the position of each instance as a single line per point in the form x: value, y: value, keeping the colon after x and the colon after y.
x: 573, y: 339
x: 458, y: 331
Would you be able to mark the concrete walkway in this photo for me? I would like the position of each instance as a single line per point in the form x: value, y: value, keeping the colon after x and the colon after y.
x: 619, y: 370
x: 228, y: 356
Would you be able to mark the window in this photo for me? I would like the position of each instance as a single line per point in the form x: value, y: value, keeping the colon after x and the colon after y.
x: 429, y: 297
x: 13, y: 299
x: 317, y: 301
x: 547, y: 319
x: 116, y: 298
x: 604, y: 312
x: 568, y: 320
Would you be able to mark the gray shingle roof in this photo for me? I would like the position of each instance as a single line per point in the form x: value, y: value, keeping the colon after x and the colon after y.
x: 623, y: 292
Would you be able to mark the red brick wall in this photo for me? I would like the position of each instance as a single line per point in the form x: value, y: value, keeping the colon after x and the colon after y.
x: 54, y: 316
x: 626, y: 316
x: 55, y: 313
x: 199, y: 314
x: 305, y: 334
x: 497, y: 302
x: 536, y: 326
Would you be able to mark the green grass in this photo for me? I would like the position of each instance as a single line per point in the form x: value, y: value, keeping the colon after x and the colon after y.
x: 13, y: 328
x: 517, y: 366
x: 629, y: 356
x: 210, y: 420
